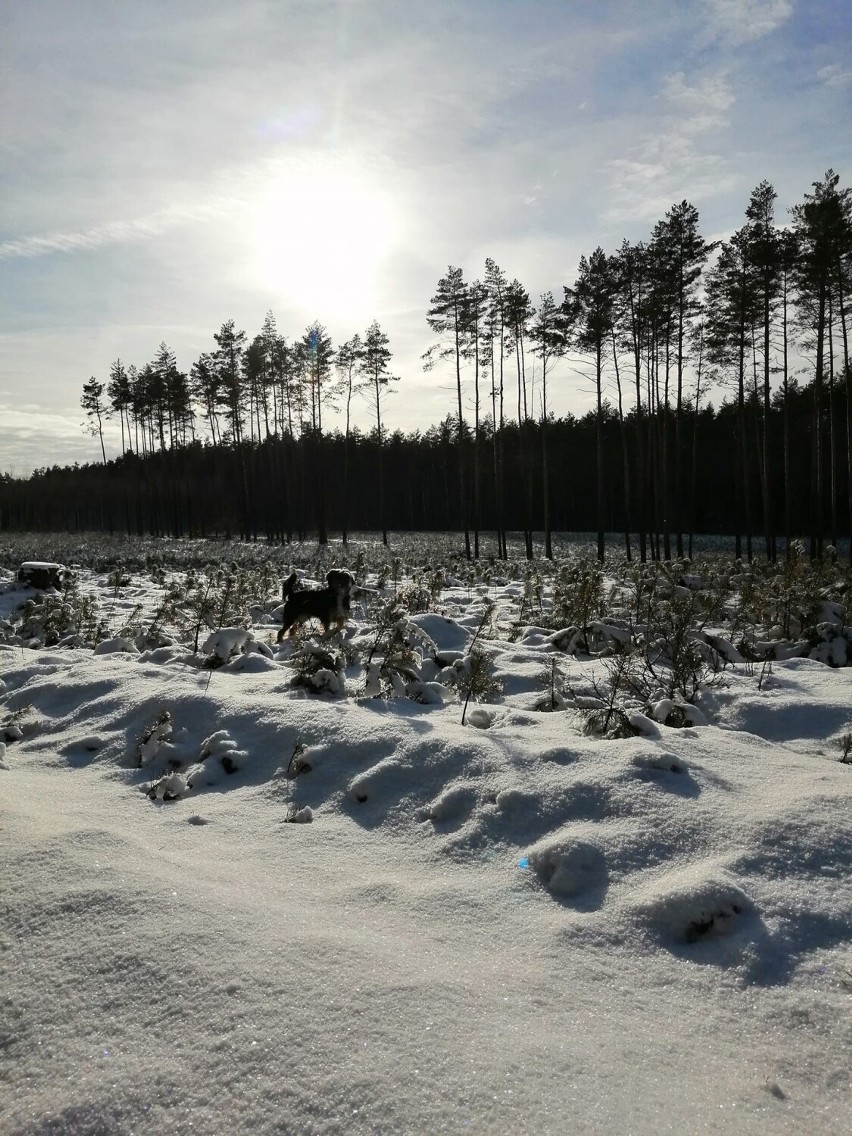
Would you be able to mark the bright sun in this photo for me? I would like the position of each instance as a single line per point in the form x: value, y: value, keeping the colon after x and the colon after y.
x: 321, y: 235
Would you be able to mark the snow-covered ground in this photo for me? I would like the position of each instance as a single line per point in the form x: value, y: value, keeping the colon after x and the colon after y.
x: 506, y: 926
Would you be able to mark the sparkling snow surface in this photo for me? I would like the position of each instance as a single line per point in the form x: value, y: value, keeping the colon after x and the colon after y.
x: 502, y: 927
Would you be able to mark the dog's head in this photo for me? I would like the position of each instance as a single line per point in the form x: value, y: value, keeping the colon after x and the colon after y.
x: 339, y: 580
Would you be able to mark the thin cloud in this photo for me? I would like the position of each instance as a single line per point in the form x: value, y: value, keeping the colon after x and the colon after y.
x: 670, y: 161
x: 702, y: 107
x: 229, y: 191
x: 744, y: 21
x: 29, y: 430
x: 112, y: 232
x: 835, y: 75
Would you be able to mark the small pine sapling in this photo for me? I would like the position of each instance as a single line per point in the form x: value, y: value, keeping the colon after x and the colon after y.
x: 298, y: 763
x: 12, y: 723
x: 414, y: 598
x: 204, y: 607
x: 531, y: 603
x: 297, y: 766
x: 624, y: 683
x: 317, y: 667
x: 578, y: 596
x: 70, y: 618
x: 153, y: 738
x: 673, y: 654
x: 117, y: 578
x: 555, y: 692
x: 436, y: 585
x: 396, y: 571
x: 391, y: 662
x: 475, y: 679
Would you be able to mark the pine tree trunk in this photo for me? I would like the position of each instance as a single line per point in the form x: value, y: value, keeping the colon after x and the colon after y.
x: 848, y: 390
x: 625, y: 455
x: 817, y: 535
x: 677, y: 504
x: 599, y: 452
x: 545, y: 489
x: 461, y: 447
x: 745, y: 501
x: 641, y: 474
x: 477, y: 503
x: 769, y: 523
x: 832, y: 439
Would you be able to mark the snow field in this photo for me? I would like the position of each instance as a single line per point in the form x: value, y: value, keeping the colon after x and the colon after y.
x: 507, y: 926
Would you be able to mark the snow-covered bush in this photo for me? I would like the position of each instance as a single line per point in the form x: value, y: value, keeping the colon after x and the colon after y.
x: 622, y: 690
x: 318, y: 667
x: 473, y: 677
x: 578, y: 596
x: 533, y: 598
x: 223, y: 644
x: 69, y: 619
x: 557, y: 694
x: 416, y: 597
x: 671, y: 651
x: 151, y: 741
x: 844, y: 744
x: 170, y: 787
x: 226, y: 755
x: 395, y: 657
x: 12, y: 722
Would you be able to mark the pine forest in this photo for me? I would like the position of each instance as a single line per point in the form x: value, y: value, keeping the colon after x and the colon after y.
x: 722, y: 405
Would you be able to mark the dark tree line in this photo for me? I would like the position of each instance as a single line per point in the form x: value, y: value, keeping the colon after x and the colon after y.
x: 242, y: 444
x: 265, y: 490
x: 656, y: 325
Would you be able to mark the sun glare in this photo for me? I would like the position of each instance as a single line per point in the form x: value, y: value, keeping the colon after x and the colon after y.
x: 321, y: 236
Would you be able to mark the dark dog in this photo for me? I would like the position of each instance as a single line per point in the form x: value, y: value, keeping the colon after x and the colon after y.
x: 330, y: 605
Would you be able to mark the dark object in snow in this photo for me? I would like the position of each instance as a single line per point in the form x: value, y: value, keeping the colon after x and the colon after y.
x: 42, y: 575
x: 330, y: 605
x: 775, y: 1090
x: 295, y: 815
x: 196, y: 819
x: 700, y: 929
x: 297, y: 764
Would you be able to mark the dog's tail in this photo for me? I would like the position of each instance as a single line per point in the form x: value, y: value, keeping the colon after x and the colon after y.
x: 288, y: 586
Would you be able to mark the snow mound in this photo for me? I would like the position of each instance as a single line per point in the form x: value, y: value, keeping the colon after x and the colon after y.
x: 448, y: 635
x: 664, y: 769
x: 696, y: 906
x: 454, y: 805
x: 572, y: 870
x: 117, y: 643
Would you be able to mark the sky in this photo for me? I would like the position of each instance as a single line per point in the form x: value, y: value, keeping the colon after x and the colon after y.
x: 171, y: 165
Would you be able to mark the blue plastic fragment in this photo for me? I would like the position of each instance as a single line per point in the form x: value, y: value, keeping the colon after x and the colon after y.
x: 523, y: 862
